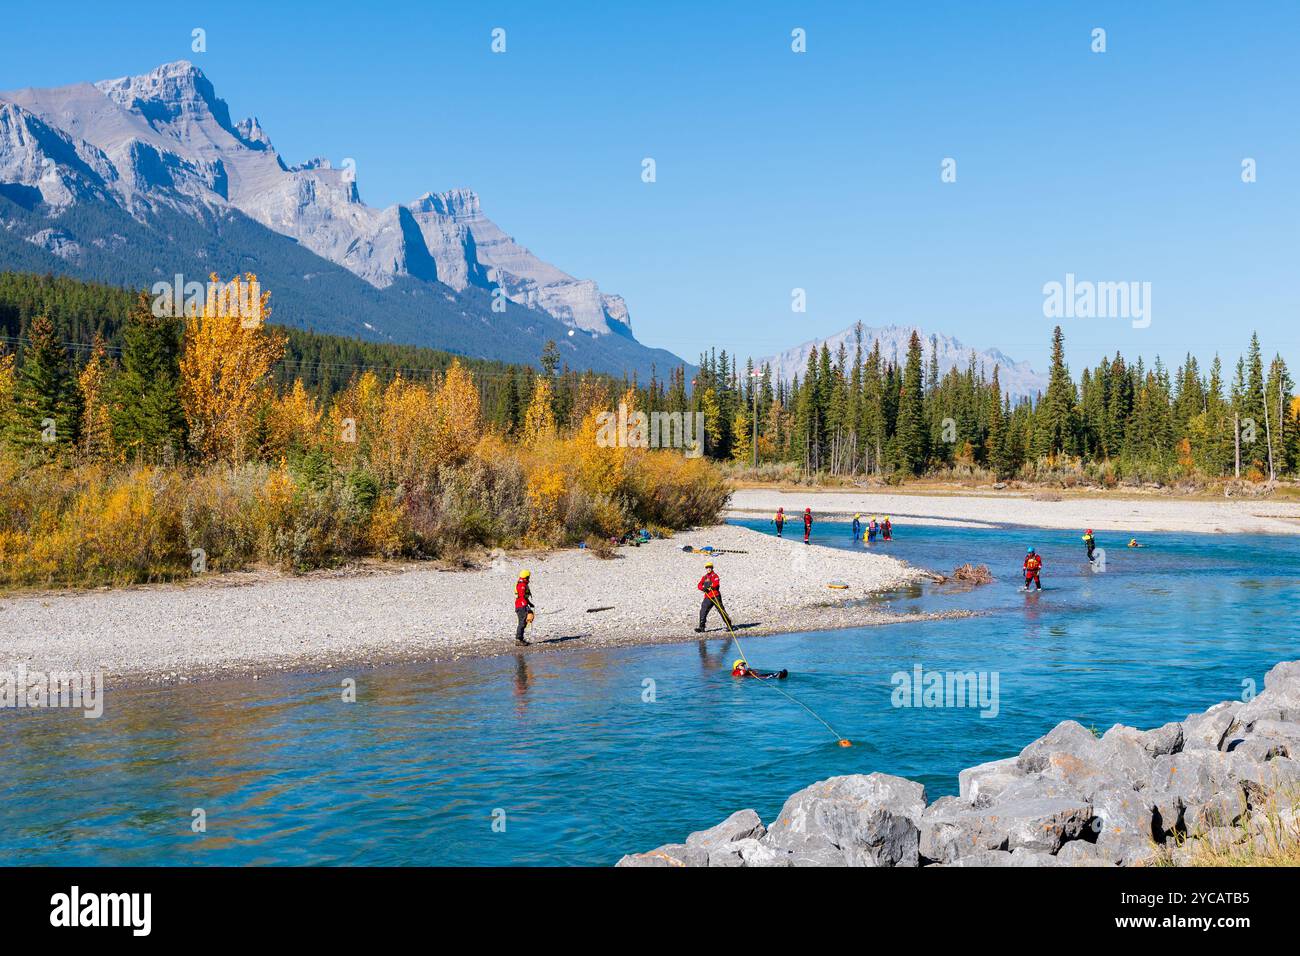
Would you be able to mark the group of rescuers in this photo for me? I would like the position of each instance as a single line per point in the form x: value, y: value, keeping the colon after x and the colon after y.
x: 711, y: 585
x: 874, y: 529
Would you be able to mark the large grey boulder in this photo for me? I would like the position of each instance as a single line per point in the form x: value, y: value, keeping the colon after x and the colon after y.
x: 1153, y: 743
x: 1264, y: 781
x: 1020, y: 857
x: 1123, y: 825
x: 1167, y: 739
x: 741, y: 825
x: 1279, y: 700
x: 1034, y: 813
x: 1116, y: 763
x: 1041, y: 823
x: 753, y: 853
x: 857, y: 820
x: 1207, y: 731
x: 980, y: 785
x: 951, y: 830
x: 1186, y: 779
x: 1068, y: 737
x: 1200, y: 789
x: 1264, y: 733
x: 674, y: 854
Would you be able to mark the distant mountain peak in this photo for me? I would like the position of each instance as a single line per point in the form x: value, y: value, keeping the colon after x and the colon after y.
x: 1018, y: 379
x: 250, y: 131
x: 461, y: 204
x: 173, y: 92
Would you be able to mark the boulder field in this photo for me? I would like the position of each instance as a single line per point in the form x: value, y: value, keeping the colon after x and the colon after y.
x: 1228, y: 775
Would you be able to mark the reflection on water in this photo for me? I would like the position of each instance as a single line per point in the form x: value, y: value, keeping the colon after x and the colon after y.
x: 585, y: 765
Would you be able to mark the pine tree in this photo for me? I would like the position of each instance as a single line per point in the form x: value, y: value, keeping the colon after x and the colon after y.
x: 1056, y: 428
x: 145, y: 412
x: 910, y: 448
x: 45, y: 413
x: 998, y: 453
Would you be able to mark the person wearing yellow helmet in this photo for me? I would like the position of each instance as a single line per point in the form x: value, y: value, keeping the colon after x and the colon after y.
x: 739, y: 668
x: 887, y: 530
x: 857, y: 527
x: 523, y: 606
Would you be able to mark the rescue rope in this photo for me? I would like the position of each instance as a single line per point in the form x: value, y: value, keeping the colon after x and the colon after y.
x: 842, y: 741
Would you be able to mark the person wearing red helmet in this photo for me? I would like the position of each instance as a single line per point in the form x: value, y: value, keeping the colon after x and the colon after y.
x: 1090, y: 543
x: 807, y: 524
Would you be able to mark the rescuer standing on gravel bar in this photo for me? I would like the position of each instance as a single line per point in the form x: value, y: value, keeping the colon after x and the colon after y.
x: 712, y: 588
x: 523, y: 606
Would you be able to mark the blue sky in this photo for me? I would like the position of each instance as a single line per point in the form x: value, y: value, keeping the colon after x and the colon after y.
x: 778, y: 170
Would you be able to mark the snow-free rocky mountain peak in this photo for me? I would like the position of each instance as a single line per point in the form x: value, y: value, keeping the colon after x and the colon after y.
x: 163, y: 144
x: 1018, y: 379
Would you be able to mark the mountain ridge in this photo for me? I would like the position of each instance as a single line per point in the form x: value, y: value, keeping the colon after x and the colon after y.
x: 162, y: 145
x: 1018, y: 379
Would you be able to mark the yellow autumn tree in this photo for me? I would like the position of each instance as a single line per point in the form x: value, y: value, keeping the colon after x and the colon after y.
x: 457, y: 415
x: 355, y: 419
x: 604, y: 442
x: 539, y: 419
x: 546, y: 486
x: 593, y: 396
x: 404, y: 447
x: 292, y: 421
x: 96, y: 429
x: 224, y: 368
x: 6, y: 383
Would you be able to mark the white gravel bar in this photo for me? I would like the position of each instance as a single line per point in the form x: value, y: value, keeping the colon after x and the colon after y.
x: 253, y: 623
x: 1127, y: 513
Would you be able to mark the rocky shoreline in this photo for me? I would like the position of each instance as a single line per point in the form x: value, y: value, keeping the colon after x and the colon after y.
x: 1227, y: 776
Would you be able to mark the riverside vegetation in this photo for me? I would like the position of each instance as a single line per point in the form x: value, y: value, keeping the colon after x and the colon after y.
x: 169, y: 447
x: 137, y: 448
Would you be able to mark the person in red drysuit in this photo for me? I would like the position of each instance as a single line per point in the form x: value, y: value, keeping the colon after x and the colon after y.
x: 711, y: 585
x: 807, y: 524
x: 1033, y: 564
x: 523, y: 605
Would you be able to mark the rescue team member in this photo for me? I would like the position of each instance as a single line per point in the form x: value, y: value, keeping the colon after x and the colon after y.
x: 887, y: 530
x: 1089, y: 542
x: 807, y: 524
x: 857, y: 527
x: 873, y: 529
x: 780, y: 520
x: 712, y: 588
x: 1033, y: 564
x: 523, y: 606
x: 740, y: 669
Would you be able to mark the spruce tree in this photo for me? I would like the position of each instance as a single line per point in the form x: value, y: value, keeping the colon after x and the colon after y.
x: 146, y: 414
x: 910, y: 447
x: 45, y: 414
x: 1057, y: 426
